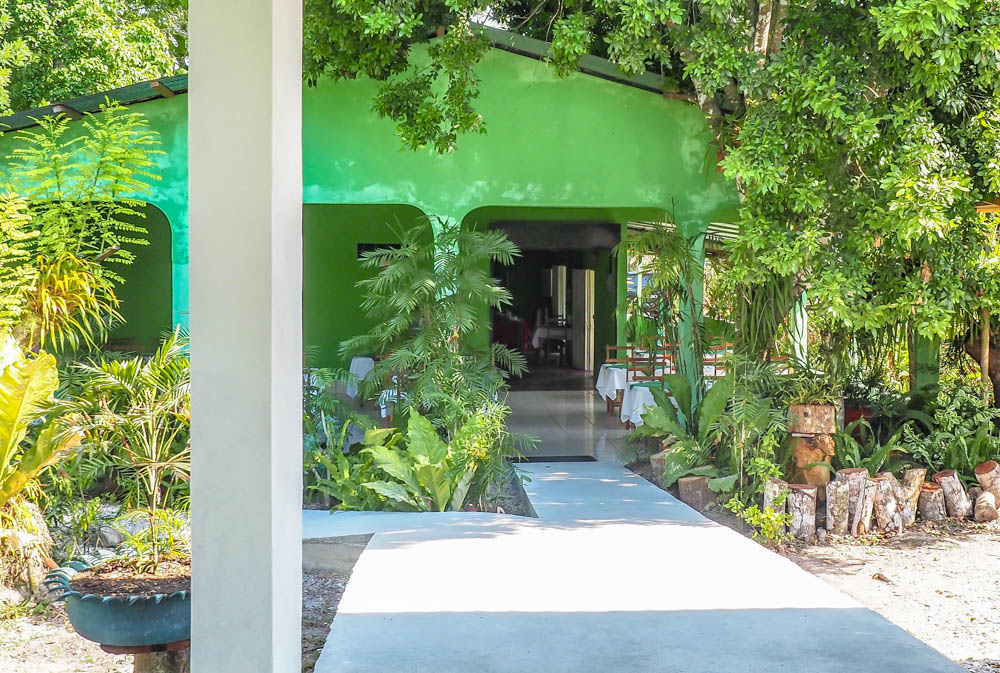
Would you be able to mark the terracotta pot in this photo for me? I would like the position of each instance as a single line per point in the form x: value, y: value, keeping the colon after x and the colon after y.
x: 812, y: 419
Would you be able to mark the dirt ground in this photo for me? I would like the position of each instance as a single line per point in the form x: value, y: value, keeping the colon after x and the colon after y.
x: 41, y: 640
x: 939, y: 581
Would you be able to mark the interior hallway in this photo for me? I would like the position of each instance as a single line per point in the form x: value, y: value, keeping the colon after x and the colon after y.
x: 568, y: 423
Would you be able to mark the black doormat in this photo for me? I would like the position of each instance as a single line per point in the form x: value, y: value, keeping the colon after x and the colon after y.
x: 554, y: 459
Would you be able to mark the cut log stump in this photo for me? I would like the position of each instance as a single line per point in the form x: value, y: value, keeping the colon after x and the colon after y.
x: 861, y: 520
x: 773, y: 490
x: 986, y: 507
x: 913, y: 479
x: 802, y: 507
x: 885, y: 506
x: 931, y: 504
x: 838, y: 518
x: 855, y: 478
x: 988, y: 476
x: 695, y: 492
x: 956, y: 500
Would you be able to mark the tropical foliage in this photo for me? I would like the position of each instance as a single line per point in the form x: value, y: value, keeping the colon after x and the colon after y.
x: 62, y: 49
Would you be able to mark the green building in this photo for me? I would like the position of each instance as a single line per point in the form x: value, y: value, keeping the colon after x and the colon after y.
x: 565, y: 166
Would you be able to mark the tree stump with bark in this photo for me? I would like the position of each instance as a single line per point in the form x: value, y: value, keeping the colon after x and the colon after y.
x: 885, y: 505
x: 802, y: 506
x: 861, y: 520
x: 913, y: 479
x: 986, y: 507
x: 931, y: 503
x: 773, y: 490
x: 956, y: 500
x: 988, y: 476
x: 855, y: 478
x: 838, y: 500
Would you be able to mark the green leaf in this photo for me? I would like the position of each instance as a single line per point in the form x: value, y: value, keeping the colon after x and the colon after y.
x: 396, y: 492
x: 712, y: 406
x: 462, y: 489
x: 680, y: 387
x: 722, y: 484
x: 423, y: 441
x: 437, y: 484
x: 396, y: 464
x: 24, y: 386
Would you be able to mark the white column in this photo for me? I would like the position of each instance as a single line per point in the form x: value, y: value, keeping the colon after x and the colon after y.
x: 245, y: 109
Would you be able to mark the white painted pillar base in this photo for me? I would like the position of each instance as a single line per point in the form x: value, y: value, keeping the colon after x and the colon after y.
x: 246, y: 334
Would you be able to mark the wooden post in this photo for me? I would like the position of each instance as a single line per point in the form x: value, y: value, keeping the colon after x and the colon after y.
x: 802, y: 507
x: 838, y: 494
x: 984, y: 349
x: 988, y: 476
x: 885, y: 505
x: 931, y: 504
x: 861, y: 520
x: 913, y: 479
x: 986, y: 507
x: 956, y: 500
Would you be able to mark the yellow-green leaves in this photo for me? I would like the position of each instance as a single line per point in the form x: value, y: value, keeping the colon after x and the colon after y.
x: 25, y: 386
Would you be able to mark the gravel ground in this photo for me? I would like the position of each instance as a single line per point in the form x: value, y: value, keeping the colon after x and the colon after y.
x: 939, y: 581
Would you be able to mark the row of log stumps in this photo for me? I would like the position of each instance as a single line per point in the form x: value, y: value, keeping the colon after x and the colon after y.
x: 858, y: 503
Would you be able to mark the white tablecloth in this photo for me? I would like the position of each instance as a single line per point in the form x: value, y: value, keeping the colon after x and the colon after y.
x: 359, y: 369
x: 543, y: 333
x: 638, y: 398
x: 611, y: 379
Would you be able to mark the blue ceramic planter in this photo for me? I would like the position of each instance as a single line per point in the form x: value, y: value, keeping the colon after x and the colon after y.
x: 130, y: 621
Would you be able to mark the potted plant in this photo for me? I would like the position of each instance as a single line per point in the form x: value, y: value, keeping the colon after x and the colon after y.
x: 136, y: 414
x: 813, y: 399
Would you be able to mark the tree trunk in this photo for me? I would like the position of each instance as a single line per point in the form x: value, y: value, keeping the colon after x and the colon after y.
x: 855, y: 478
x: 861, y: 520
x: 988, y: 476
x: 984, y: 345
x: 838, y: 501
x: 886, y: 506
x: 973, y: 348
x: 986, y: 507
x: 931, y: 505
x: 913, y: 479
x: 802, y: 507
x: 956, y: 500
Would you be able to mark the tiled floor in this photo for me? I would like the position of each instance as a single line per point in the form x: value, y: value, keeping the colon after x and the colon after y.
x: 569, y: 423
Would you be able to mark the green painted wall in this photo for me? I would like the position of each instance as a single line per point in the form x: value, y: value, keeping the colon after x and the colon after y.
x: 331, y: 270
x: 146, y: 296
x: 576, y: 143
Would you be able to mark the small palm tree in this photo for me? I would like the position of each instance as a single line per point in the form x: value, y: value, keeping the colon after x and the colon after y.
x: 137, y: 412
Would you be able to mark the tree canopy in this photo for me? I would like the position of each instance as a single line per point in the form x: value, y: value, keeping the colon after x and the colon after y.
x: 57, y: 49
x: 860, y: 134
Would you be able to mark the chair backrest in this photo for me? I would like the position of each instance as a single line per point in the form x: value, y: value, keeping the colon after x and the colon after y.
x: 613, y: 354
x: 647, y: 367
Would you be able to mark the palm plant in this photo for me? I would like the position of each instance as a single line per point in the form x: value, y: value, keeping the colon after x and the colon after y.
x: 136, y: 414
x: 676, y: 276
x: 427, y: 300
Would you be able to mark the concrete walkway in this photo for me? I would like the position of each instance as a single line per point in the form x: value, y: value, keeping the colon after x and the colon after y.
x: 615, y: 576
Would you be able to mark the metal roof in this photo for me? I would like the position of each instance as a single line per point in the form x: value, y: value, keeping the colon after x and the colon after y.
x: 166, y: 87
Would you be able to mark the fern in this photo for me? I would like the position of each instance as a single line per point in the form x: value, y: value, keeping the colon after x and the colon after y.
x: 17, y: 274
